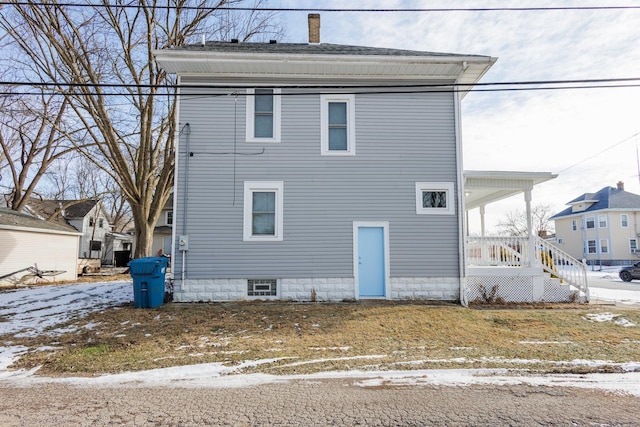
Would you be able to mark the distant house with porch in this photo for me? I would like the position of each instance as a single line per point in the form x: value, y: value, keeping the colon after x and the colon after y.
x: 601, y: 227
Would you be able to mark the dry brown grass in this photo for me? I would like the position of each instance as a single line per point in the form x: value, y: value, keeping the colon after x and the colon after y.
x: 312, y: 337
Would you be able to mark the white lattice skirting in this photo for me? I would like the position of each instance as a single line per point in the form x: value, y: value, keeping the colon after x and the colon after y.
x: 517, y: 285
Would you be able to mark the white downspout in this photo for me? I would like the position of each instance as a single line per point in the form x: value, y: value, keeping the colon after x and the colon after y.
x: 461, y: 203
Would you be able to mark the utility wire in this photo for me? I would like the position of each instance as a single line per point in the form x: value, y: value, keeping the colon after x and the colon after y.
x: 134, y: 5
x: 341, y: 89
x: 600, y: 152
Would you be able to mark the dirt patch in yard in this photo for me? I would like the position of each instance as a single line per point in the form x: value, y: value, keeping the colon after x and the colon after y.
x: 313, y: 337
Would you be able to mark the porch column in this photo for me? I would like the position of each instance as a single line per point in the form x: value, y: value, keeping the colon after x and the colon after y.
x: 482, y: 220
x: 532, y: 246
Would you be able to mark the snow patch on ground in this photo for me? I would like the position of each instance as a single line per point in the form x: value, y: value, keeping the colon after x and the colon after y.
x: 609, y: 317
x: 40, y: 310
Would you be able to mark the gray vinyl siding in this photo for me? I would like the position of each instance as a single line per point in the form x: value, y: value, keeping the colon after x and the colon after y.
x: 401, y: 139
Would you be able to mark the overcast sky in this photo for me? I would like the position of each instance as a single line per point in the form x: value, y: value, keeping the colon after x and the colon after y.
x: 577, y: 134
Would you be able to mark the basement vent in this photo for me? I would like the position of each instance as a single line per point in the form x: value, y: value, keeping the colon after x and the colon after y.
x: 262, y: 287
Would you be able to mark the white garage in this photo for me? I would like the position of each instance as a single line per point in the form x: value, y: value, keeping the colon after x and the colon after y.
x: 26, y: 242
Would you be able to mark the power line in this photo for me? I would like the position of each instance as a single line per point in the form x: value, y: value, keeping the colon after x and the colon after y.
x: 336, y: 10
x: 600, y: 152
x: 536, y: 85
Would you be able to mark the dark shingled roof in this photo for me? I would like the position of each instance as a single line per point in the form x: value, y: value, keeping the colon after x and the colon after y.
x: 607, y: 198
x: 17, y: 219
x: 305, y: 49
x: 73, y: 209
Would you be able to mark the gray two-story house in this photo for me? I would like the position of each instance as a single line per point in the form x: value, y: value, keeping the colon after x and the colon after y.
x: 318, y: 171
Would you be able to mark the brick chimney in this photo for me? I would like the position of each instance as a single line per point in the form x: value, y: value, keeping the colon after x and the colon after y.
x: 620, y: 185
x: 314, y: 28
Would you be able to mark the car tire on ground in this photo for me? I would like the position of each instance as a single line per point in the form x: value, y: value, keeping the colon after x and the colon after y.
x: 626, y: 276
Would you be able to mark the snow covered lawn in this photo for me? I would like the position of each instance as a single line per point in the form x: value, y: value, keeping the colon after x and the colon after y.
x: 39, y: 311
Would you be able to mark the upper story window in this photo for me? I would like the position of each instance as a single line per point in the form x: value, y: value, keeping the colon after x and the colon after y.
x: 624, y: 220
x: 91, y: 221
x: 263, y: 206
x: 337, y: 118
x: 169, y: 217
x: 100, y: 222
x: 434, y: 198
x: 590, y: 222
x: 263, y: 115
x: 574, y: 225
x: 602, y: 221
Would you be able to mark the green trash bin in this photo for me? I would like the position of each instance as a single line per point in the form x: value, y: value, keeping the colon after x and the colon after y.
x: 148, y: 276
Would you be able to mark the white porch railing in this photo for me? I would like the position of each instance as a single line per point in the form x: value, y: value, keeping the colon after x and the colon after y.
x: 562, y: 265
x: 498, y: 251
x: 504, y: 251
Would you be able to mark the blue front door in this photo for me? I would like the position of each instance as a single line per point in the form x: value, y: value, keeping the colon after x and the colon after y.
x: 371, y: 265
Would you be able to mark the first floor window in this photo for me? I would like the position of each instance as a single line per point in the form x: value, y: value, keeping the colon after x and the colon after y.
x: 633, y: 245
x: 338, y: 125
x: 263, y: 205
x: 434, y: 198
x: 604, y: 246
x: 591, y: 247
x: 95, y: 245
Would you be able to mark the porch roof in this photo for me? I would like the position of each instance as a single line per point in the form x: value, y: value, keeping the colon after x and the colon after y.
x: 484, y: 187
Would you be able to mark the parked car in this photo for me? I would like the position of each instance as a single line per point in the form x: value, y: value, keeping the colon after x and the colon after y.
x: 630, y: 272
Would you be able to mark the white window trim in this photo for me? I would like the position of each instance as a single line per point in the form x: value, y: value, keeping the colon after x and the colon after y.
x: 586, y: 220
x: 250, y: 126
x: 622, y: 222
x: 633, y: 249
x: 166, y: 218
x: 249, y: 188
x: 324, y: 124
x: 435, y: 186
x: 603, y: 218
x: 574, y: 225
x: 595, y: 247
x: 606, y: 246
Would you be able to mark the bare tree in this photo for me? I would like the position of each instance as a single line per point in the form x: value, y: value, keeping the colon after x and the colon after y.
x: 33, y: 135
x: 82, y: 49
x: 514, y: 223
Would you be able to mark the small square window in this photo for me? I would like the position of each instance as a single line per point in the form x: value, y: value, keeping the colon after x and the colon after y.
x: 95, y: 245
x: 337, y: 118
x: 435, y: 198
x: 263, y: 216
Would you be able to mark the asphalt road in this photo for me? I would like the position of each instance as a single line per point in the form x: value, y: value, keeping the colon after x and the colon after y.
x: 338, y: 402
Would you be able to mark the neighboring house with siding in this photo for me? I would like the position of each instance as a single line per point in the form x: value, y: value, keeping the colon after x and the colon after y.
x: 87, y: 216
x: 318, y: 171
x: 26, y: 241
x: 162, y: 233
x: 601, y: 227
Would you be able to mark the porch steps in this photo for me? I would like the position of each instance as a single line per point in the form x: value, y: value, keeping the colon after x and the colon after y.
x: 556, y: 290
